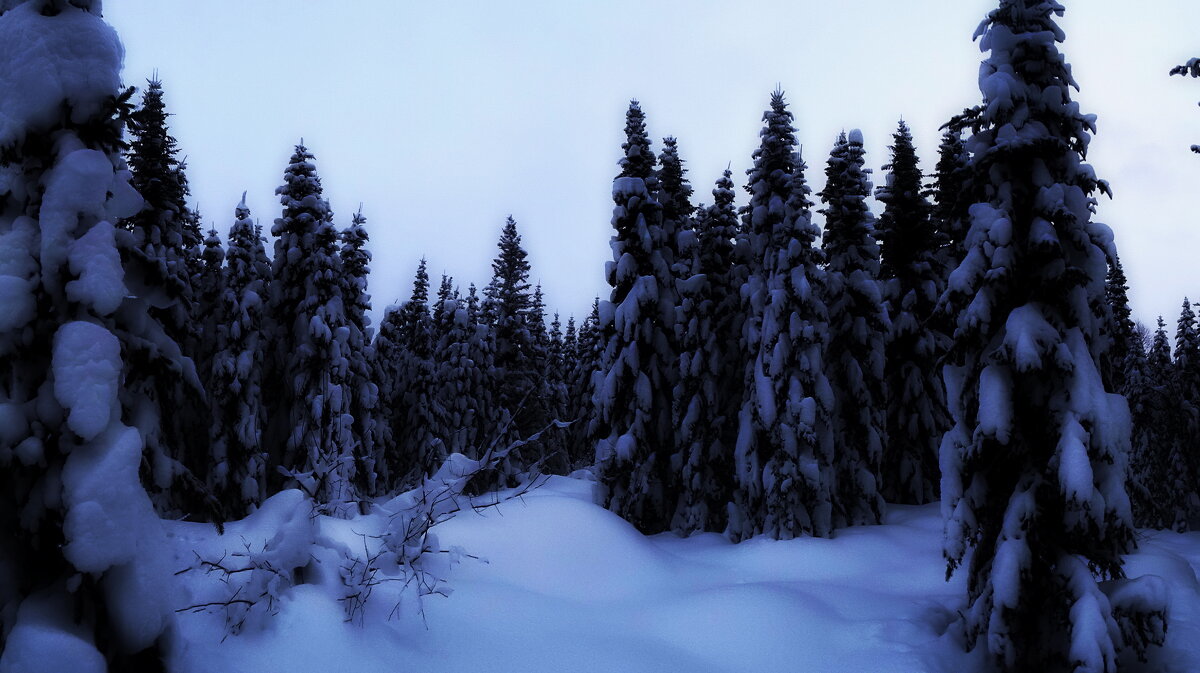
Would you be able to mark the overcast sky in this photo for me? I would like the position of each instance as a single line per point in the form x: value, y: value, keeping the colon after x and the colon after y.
x: 442, y: 118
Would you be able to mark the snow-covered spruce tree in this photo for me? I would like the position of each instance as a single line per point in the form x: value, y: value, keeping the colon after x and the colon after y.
x: 312, y: 341
x: 950, y: 195
x: 1187, y: 352
x: 545, y: 398
x: 507, y: 300
x: 782, y: 457
x: 442, y: 321
x: 557, y: 457
x: 581, y: 382
x: 633, y: 394
x: 1184, y: 386
x: 165, y: 230
x: 235, y: 383
x: 463, y: 415
x: 209, y: 286
x: 705, y: 401
x: 1123, y: 349
x: 1033, y: 471
x: 356, y: 260
x: 388, y: 350
x: 1192, y: 67
x: 87, y: 581
x: 167, y: 241
x: 858, y: 329
x: 911, y: 280
x: 418, y: 450
x: 674, y: 193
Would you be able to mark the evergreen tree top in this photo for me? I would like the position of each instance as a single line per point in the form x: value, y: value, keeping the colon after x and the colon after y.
x: 420, y: 293
x: 214, y: 254
x: 158, y: 174
x: 673, y: 183
x: 508, y: 292
x: 849, y: 224
x: 1159, y: 358
x: 775, y: 159
x: 638, y: 161
x: 1187, y: 337
x: 301, y: 192
x: 907, y: 235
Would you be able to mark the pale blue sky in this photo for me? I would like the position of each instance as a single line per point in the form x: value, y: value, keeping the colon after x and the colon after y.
x: 444, y: 117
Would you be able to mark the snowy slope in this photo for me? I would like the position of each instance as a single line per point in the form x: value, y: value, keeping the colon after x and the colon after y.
x: 568, y: 586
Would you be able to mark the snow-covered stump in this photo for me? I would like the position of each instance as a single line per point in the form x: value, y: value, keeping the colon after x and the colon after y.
x: 1034, y: 468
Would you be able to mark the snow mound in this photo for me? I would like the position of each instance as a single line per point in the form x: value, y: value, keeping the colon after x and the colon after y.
x: 549, y: 581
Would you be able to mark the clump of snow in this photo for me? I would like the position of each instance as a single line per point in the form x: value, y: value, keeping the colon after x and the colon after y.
x: 73, y: 56
x: 17, y: 270
x: 46, y: 639
x: 97, y: 264
x: 87, y: 371
x: 995, y: 403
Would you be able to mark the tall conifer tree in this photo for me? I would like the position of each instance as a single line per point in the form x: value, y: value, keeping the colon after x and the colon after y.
x: 235, y: 389
x: 312, y: 421
x: 507, y: 302
x: 633, y: 395
x: 911, y: 281
x: 1033, y: 471
x: 167, y: 243
x: 858, y: 329
x: 784, y: 446
x: 87, y: 568
x: 706, y: 402
x: 356, y: 260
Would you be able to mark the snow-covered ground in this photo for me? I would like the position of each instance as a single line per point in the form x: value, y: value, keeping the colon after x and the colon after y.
x: 564, y: 585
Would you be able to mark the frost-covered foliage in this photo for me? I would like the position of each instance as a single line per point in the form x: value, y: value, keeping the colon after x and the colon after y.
x: 708, y: 366
x: 858, y: 329
x: 783, y: 456
x: 235, y: 383
x: 1033, y: 471
x: 911, y: 282
x: 313, y: 346
x: 1192, y: 68
x: 364, y: 390
x: 632, y: 396
x: 86, y: 583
